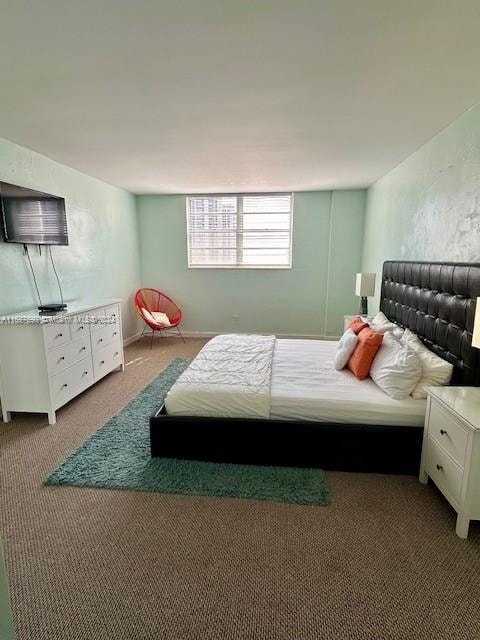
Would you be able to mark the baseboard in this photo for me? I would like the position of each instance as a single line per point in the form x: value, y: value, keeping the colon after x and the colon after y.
x: 293, y: 336
x: 131, y: 339
x: 212, y: 334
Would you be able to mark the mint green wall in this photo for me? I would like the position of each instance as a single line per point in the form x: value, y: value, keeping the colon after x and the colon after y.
x: 102, y: 259
x: 309, y: 299
x: 428, y: 208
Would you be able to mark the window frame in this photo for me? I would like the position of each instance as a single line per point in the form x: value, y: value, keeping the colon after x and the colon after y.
x: 239, y: 197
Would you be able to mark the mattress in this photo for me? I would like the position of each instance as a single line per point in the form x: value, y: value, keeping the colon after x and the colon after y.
x: 305, y: 386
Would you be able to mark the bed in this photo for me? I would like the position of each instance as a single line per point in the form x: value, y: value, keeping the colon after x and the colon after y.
x: 301, y: 412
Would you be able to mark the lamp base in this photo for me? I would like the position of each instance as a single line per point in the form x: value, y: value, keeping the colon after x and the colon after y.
x: 363, y: 311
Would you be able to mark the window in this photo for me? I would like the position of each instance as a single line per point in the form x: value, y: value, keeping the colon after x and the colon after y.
x: 240, y: 231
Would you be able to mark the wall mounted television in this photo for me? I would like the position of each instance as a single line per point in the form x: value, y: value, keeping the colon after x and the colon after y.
x: 32, y: 217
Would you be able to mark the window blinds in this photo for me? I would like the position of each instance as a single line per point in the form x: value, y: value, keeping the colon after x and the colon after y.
x: 240, y: 231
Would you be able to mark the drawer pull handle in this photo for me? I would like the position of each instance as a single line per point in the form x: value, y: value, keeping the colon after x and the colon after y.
x: 59, y: 335
x: 85, y: 373
x: 443, y: 432
x: 81, y: 328
x: 102, y: 361
x: 64, y: 386
x: 101, y: 340
x: 62, y: 358
x: 439, y: 467
x: 116, y: 353
x: 83, y: 349
x: 114, y: 333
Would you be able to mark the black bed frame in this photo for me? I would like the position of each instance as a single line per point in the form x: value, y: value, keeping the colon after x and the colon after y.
x: 436, y: 301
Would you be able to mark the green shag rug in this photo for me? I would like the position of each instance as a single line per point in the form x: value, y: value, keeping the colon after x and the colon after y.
x: 117, y: 456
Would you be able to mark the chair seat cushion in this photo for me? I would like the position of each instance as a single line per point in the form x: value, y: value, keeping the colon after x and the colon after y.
x: 156, y: 317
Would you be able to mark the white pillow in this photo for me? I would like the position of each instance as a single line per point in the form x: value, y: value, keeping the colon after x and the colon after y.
x: 161, y: 318
x: 396, y: 369
x: 147, y: 315
x: 157, y: 317
x: 435, y: 371
x: 381, y: 324
x: 345, y: 348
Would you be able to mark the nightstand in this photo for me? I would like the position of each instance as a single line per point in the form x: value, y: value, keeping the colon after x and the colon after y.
x: 451, y: 449
x: 347, y: 319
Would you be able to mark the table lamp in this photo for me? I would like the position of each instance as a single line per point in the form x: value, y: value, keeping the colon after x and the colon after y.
x: 476, y: 327
x: 364, y: 287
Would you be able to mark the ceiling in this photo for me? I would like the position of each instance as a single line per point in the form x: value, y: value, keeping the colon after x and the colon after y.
x: 234, y: 95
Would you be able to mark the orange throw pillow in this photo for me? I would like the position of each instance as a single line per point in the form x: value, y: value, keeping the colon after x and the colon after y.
x: 369, y: 342
x: 357, y: 324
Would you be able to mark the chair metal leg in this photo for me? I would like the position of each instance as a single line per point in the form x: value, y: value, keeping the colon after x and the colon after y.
x: 143, y: 332
x: 151, y: 339
x: 180, y: 334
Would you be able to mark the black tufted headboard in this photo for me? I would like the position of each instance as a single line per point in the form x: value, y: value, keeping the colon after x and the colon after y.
x: 437, y: 301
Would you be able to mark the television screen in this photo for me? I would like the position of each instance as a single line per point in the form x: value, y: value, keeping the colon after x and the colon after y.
x: 32, y: 217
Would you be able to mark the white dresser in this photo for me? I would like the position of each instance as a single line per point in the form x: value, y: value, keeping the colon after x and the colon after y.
x: 451, y: 449
x: 47, y: 360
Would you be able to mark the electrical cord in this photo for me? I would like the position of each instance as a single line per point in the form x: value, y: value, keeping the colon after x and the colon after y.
x: 55, y: 272
x: 25, y: 248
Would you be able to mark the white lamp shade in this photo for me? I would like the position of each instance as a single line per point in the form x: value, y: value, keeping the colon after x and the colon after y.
x: 476, y: 327
x: 365, y: 285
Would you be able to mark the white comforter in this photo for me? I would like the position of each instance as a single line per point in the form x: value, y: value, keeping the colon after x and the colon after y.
x: 229, y: 378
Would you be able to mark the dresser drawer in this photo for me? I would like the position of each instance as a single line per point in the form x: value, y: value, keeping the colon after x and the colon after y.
x: 106, y: 359
x: 448, y: 432
x: 107, y: 317
x: 78, y: 328
x: 446, y: 474
x: 56, y: 334
x: 112, y: 312
x: 99, y: 315
x: 109, y: 334
x: 68, y: 354
x: 71, y: 381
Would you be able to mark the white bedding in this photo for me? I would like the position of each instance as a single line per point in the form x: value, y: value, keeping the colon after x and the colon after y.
x: 305, y: 386
x: 260, y: 377
x: 229, y: 378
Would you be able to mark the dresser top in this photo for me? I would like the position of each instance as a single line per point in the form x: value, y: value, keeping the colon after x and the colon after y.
x: 464, y: 401
x: 74, y: 307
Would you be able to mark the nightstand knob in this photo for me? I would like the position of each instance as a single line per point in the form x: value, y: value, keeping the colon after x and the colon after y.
x: 439, y: 467
x: 443, y: 432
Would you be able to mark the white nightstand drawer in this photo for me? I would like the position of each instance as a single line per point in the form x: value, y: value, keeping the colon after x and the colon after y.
x: 446, y: 474
x: 66, y: 355
x: 448, y: 432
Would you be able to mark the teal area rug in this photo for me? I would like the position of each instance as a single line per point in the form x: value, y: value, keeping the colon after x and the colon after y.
x: 117, y: 456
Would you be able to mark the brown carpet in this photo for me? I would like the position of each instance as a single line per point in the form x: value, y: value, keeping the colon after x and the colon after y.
x: 381, y: 563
